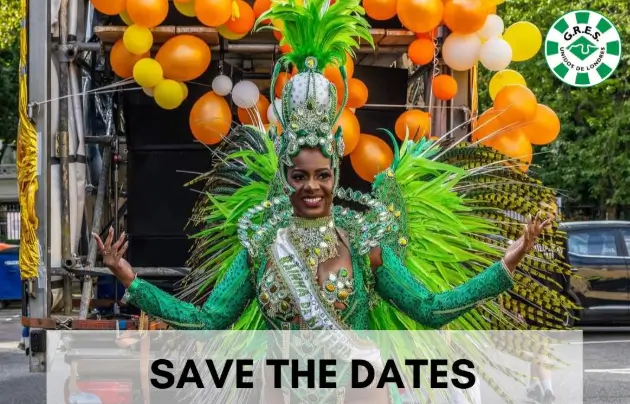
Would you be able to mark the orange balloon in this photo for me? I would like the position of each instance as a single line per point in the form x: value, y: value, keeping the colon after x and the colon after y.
x: 371, y: 156
x: 465, y: 16
x: 210, y: 118
x: 418, y: 122
x: 213, y: 13
x: 281, y: 81
x: 351, y: 130
x: 333, y: 73
x: 109, y: 7
x: 516, y: 103
x: 286, y: 48
x: 123, y: 61
x: 444, y: 87
x: 380, y: 10
x: 184, y: 57
x: 357, y: 93
x: 249, y: 116
x: 245, y: 21
x: 488, y: 128
x: 260, y: 6
x: 515, y: 144
x: 545, y: 127
x: 421, y: 51
x: 147, y: 13
x: 420, y: 15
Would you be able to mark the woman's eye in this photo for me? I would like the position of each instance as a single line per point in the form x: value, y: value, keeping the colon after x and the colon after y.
x: 324, y: 176
x: 297, y: 177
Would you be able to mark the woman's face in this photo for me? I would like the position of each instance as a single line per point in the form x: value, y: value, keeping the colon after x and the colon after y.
x: 313, y: 179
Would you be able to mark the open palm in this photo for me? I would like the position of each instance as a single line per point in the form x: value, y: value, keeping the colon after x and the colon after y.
x: 113, y: 256
x: 519, y: 249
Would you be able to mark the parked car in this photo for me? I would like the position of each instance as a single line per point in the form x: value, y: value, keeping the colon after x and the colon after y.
x: 599, y: 254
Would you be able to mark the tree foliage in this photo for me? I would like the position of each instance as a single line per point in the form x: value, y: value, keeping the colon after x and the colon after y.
x: 590, y: 160
x: 9, y: 69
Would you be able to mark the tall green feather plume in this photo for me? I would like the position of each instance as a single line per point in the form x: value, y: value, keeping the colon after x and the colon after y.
x: 328, y: 33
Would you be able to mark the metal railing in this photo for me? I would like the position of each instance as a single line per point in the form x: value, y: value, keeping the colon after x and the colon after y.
x: 9, y: 222
x: 8, y: 171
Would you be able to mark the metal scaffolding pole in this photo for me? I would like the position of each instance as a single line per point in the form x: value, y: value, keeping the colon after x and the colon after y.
x: 63, y: 151
x: 39, y: 69
x: 97, y: 222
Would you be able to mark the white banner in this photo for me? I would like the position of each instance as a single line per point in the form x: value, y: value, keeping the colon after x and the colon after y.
x: 309, y: 366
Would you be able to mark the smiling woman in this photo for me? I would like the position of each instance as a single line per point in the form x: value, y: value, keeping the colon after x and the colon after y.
x: 312, y: 179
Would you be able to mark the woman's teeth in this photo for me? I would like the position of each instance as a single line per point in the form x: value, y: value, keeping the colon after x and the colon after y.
x: 312, y: 201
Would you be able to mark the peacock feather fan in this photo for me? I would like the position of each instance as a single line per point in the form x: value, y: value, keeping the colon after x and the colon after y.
x: 317, y: 29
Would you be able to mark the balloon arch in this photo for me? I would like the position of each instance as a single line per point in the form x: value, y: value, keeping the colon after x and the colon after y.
x: 477, y: 35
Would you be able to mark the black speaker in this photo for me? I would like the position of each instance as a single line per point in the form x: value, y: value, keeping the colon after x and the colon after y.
x: 160, y: 205
x: 387, y: 86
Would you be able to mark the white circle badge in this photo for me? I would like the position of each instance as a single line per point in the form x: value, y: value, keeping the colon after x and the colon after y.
x: 583, y: 48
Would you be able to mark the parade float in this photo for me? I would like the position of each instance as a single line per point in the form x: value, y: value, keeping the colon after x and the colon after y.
x: 123, y: 104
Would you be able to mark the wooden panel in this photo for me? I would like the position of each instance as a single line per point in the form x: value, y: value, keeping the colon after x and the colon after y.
x: 111, y: 34
x: 210, y: 35
x: 377, y: 34
x: 397, y: 37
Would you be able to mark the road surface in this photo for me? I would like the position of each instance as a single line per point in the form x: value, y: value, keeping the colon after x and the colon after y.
x: 606, y: 367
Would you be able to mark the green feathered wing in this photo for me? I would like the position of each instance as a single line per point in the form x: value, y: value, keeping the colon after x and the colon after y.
x: 244, y: 168
x: 459, y: 207
x: 455, y: 208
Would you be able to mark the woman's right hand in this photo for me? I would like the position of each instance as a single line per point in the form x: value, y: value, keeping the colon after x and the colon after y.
x: 113, y: 256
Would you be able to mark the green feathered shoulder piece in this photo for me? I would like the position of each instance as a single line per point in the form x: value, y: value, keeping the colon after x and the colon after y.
x: 317, y: 29
x: 454, y: 207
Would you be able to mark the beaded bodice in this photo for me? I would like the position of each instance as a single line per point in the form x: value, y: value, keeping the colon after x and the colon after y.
x: 345, y: 285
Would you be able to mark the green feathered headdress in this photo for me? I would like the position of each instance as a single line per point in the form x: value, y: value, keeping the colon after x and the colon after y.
x: 318, y: 30
x: 319, y: 35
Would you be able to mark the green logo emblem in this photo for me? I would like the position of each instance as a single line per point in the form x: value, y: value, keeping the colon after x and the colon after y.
x: 583, y: 48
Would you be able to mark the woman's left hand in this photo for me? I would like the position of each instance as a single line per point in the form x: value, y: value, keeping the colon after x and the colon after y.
x: 519, y: 249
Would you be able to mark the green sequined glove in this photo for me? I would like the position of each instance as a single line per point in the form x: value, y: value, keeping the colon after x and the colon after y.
x: 395, y: 284
x: 224, y: 305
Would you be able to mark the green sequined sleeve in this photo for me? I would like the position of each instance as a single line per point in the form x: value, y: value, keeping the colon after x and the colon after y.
x: 397, y: 285
x: 224, y: 305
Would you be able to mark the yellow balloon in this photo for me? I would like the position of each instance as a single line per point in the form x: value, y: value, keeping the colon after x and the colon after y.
x: 525, y: 39
x: 125, y: 17
x: 229, y: 35
x: 148, y: 73
x: 187, y: 9
x: 168, y: 94
x: 184, y: 89
x: 504, y: 78
x: 138, y: 40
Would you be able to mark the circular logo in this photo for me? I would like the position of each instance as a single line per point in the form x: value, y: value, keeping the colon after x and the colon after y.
x: 583, y: 48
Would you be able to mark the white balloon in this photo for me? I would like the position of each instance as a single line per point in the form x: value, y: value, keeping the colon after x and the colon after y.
x: 460, y: 51
x: 148, y: 91
x: 492, y: 28
x: 245, y: 94
x: 495, y: 54
x: 222, y: 85
x: 271, y: 115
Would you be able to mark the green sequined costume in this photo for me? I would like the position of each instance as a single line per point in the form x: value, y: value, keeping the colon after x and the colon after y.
x: 437, y: 214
